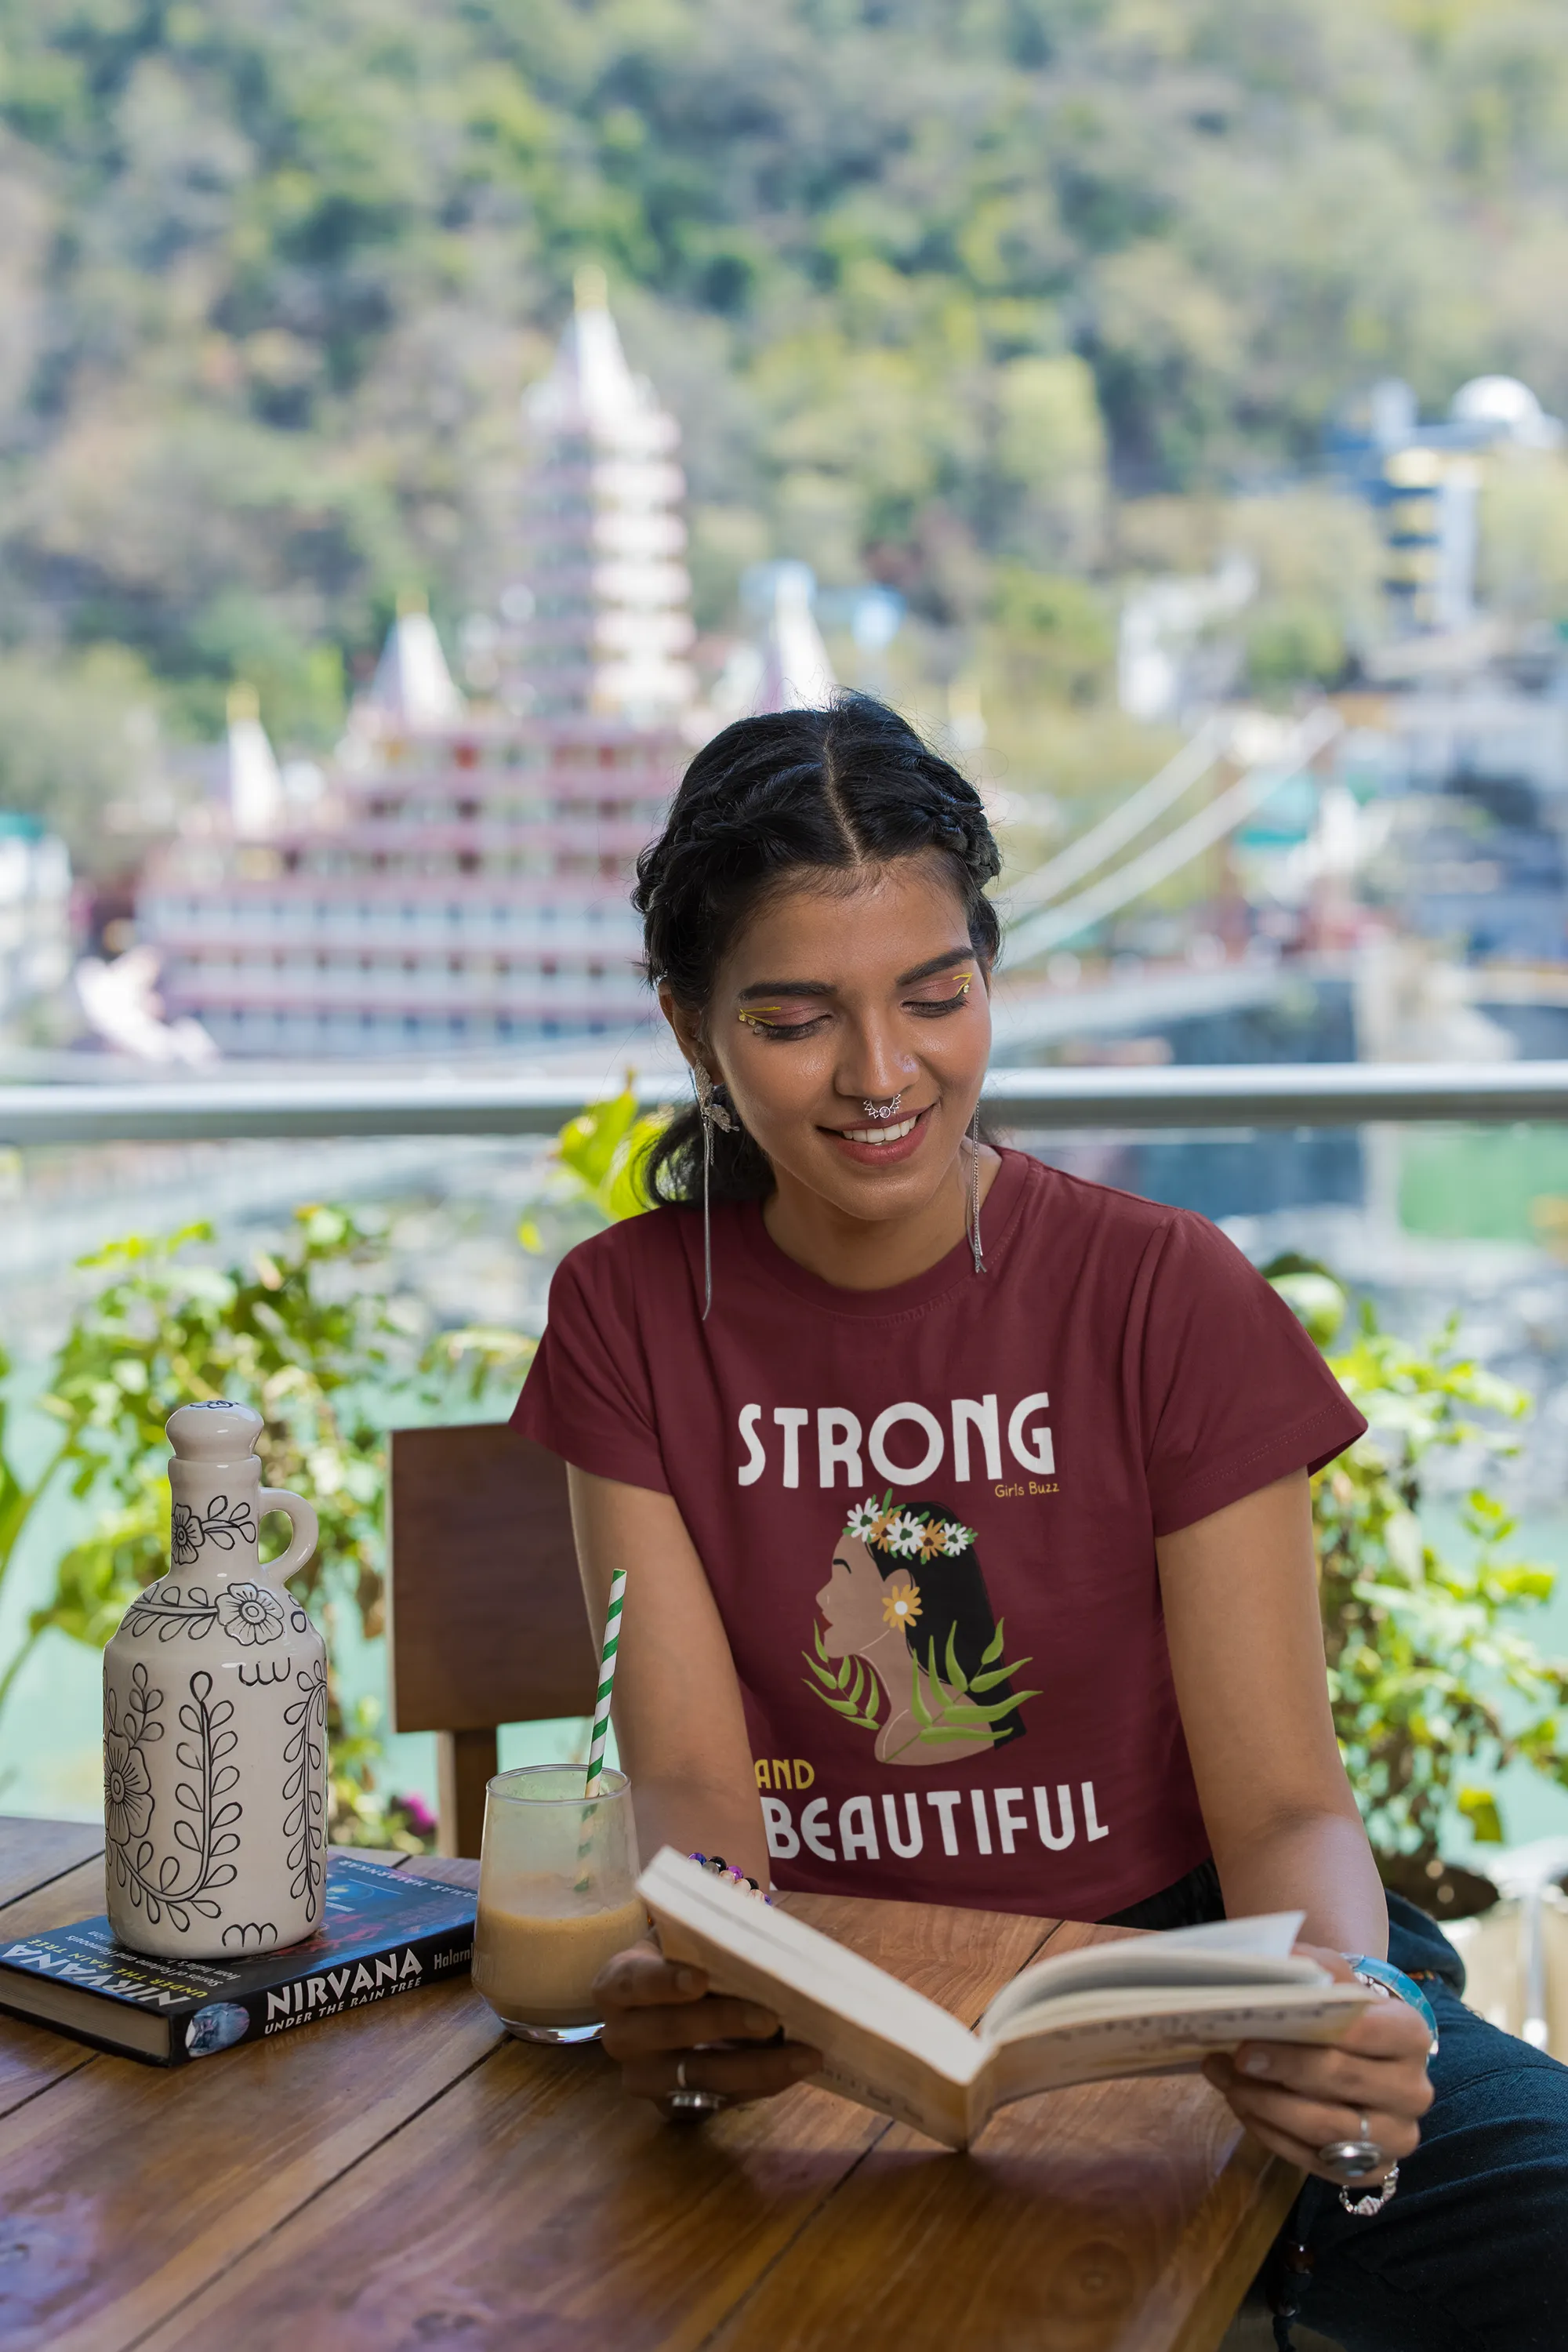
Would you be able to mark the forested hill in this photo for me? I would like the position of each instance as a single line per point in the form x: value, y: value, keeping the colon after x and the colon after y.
x: 273, y: 271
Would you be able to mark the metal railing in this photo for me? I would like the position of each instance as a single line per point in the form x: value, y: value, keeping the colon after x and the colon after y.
x: 1273, y: 1094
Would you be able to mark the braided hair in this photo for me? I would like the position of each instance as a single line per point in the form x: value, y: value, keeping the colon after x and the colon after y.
x: 831, y: 790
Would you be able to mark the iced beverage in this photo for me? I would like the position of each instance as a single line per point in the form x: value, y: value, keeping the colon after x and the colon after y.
x: 535, y: 1964
x: 557, y: 1899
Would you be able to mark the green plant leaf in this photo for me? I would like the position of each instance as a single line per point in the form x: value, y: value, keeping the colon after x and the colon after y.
x: 1478, y: 1807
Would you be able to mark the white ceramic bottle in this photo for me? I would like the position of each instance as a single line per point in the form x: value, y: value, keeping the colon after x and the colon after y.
x: 215, y: 1718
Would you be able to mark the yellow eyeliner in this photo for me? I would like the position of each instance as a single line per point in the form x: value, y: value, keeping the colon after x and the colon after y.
x: 757, y: 1017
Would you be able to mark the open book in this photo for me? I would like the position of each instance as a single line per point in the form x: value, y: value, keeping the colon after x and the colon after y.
x: 1148, y: 2004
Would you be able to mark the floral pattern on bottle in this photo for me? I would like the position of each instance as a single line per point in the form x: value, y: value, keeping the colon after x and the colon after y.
x: 205, y: 1827
x: 214, y: 1717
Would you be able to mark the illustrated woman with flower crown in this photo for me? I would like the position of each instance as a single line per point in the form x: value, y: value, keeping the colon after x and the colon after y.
x: 853, y: 1350
x: 908, y: 1599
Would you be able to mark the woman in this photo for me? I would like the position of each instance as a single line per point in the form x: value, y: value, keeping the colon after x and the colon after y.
x: 851, y: 1302
x: 907, y: 1600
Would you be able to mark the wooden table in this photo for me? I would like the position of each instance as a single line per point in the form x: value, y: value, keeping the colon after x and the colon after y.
x: 405, y: 2179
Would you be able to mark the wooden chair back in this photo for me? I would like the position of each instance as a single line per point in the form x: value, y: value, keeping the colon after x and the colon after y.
x: 486, y: 1622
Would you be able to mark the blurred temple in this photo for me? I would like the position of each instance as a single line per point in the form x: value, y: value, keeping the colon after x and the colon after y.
x: 461, y: 882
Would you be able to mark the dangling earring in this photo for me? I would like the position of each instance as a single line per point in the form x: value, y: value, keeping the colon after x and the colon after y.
x: 713, y: 1114
x: 974, y: 1191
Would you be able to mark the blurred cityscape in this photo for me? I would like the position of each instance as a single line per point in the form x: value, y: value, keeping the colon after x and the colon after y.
x: 416, y: 440
x: 1369, y: 866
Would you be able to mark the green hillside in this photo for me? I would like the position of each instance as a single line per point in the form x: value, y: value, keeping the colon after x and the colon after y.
x: 987, y: 298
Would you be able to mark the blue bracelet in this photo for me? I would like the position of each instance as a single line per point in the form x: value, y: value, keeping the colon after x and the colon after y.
x: 1403, y: 1987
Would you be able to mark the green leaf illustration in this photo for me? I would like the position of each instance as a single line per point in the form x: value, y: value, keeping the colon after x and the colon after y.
x: 956, y: 1731
x: 998, y: 1674
x: 866, y: 1717
x: 992, y: 1650
x: 994, y: 1714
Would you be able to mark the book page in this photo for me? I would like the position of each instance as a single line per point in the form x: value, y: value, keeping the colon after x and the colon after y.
x: 886, y: 2046
x: 1092, y: 2046
x: 1234, y: 1952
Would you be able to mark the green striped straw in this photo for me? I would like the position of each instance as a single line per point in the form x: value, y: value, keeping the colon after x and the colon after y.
x: 608, y: 1656
x: 601, y: 1730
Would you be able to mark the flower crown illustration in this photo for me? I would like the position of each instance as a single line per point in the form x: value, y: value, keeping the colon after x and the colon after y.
x: 908, y: 1535
x: 945, y: 1703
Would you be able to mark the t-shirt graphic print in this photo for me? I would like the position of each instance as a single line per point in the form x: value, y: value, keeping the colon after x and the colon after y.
x: 927, y: 1517
x: 908, y: 1646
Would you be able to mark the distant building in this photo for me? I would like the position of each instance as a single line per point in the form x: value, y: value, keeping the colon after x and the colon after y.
x: 462, y: 882
x: 787, y: 666
x: 599, y: 617
x: 35, y: 912
x: 1173, y: 655
x: 1424, y: 481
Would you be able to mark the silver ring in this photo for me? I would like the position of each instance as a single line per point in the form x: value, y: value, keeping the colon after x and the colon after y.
x: 684, y: 2101
x: 1355, y: 2159
x: 880, y: 1110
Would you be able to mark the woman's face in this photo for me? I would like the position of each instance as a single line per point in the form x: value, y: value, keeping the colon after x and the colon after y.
x: 847, y: 990
x: 852, y: 1600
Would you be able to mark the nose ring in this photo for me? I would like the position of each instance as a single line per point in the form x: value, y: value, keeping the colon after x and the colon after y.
x: 882, y: 1110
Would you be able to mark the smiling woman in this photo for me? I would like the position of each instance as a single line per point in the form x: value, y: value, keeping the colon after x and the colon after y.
x: 803, y: 1400
x: 853, y: 1071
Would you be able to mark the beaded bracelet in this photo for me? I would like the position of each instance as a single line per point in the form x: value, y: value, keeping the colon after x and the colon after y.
x: 717, y: 1867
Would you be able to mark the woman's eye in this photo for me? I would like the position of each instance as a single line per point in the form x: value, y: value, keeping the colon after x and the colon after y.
x: 948, y: 1003
x: 782, y: 1023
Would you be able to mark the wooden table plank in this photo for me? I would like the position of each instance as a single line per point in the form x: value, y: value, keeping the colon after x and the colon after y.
x: 1039, y: 2210
x: 34, y: 1852
x: 1229, y: 2240
x: 408, y: 2176
x: 123, y: 2186
x: 31, y: 2057
x: 536, y: 2203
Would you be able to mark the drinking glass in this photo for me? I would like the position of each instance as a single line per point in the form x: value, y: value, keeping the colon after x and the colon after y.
x: 557, y: 1897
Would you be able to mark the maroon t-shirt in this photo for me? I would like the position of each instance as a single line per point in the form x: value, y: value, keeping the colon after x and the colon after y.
x: 928, y: 1516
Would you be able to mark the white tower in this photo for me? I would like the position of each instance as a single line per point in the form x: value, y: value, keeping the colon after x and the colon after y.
x: 797, y: 672
x: 255, y: 784
x: 413, y: 686
x: 599, y: 620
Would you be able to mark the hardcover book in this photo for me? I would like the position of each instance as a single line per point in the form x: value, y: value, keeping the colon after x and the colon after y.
x: 1146, y: 2004
x: 384, y: 1932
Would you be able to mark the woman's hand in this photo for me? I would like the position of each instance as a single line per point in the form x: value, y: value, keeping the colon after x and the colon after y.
x: 659, y: 2015
x: 1297, y: 2097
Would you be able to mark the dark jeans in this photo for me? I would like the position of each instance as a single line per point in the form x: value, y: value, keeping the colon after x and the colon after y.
x: 1471, y: 2254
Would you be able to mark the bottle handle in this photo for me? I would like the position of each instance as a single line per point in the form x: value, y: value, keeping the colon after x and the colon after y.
x: 302, y: 1516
